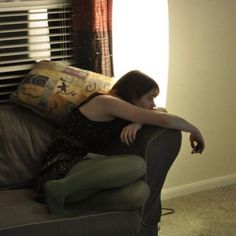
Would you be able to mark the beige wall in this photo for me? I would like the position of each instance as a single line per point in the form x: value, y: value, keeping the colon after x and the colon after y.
x: 202, y: 85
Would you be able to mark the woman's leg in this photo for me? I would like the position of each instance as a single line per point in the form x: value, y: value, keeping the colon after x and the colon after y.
x: 161, y: 156
x: 129, y: 197
x: 87, y: 178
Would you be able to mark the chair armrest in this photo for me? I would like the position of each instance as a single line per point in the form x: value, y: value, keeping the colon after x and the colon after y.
x: 159, y: 147
x: 147, y: 140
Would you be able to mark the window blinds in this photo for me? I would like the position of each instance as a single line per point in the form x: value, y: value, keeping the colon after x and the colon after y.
x: 30, y: 31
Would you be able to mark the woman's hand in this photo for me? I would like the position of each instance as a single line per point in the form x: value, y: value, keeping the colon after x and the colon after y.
x: 197, y: 142
x: 128, y: 134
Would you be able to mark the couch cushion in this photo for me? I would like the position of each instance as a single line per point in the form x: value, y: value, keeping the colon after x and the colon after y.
x: 20, y: 215
x: 23, y: 137
x: 52, y: 89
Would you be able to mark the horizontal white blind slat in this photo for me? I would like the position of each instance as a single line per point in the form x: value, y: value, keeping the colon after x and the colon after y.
x: 5, y: 93
x: 27, y: 37
x: 21, y: 8
x: 50, y: 28
x: 36, y: 43
x: 16, y: 68
x: 31, y: 21
x: 26, y: 67
x: 34, y: 5
x: 8, y: 68
x: 26, y: 13
x: 33, y: 51
x: 65, y: 57
x: 10, y: 77
x: 8, y: 85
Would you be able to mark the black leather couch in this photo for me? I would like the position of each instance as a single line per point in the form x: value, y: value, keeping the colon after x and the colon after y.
x: 23, y: 136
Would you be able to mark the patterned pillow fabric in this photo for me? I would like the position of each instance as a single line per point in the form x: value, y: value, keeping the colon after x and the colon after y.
x: 52, y: 89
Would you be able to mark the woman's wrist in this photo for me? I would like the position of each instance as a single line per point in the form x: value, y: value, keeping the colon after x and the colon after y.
x: 194, y: 130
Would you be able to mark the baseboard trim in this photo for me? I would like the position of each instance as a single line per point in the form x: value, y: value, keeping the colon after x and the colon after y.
x: 182, y: 190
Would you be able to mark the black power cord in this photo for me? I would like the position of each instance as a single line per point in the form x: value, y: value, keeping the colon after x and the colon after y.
x: 167, y: 211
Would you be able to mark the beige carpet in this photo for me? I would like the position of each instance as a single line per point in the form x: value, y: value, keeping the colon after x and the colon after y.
x: 206, y: 213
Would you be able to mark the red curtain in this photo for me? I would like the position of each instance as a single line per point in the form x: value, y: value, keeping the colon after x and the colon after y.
x: 92, y: 32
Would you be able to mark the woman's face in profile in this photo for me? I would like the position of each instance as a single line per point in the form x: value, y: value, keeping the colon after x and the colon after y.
x: 147, y: 100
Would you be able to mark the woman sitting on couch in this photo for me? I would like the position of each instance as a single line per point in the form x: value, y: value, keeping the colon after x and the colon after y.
x: 71, y: 182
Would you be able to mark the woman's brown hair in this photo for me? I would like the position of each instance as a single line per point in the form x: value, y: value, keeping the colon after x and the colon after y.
x: 133, y: 84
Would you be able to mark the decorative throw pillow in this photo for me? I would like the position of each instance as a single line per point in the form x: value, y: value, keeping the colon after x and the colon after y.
x: 52, y: 89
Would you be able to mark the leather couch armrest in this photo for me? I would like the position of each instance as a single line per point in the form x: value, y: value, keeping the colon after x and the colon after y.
x: 159, y: 147
x: 147, y: 140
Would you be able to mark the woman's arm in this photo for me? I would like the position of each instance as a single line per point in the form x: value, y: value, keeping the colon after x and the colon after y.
x: 116, y: 107
x: 129, y: 132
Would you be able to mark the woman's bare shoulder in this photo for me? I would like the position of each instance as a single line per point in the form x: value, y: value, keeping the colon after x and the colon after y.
x: 106, y: 97
x: 109, y: 100
x: 116, y: 107
x: 96, y: 108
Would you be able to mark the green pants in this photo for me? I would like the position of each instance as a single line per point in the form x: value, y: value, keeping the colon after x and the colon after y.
x: 103, y: 183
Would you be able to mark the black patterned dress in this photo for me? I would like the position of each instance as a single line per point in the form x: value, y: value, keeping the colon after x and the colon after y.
x: 76, y: 136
